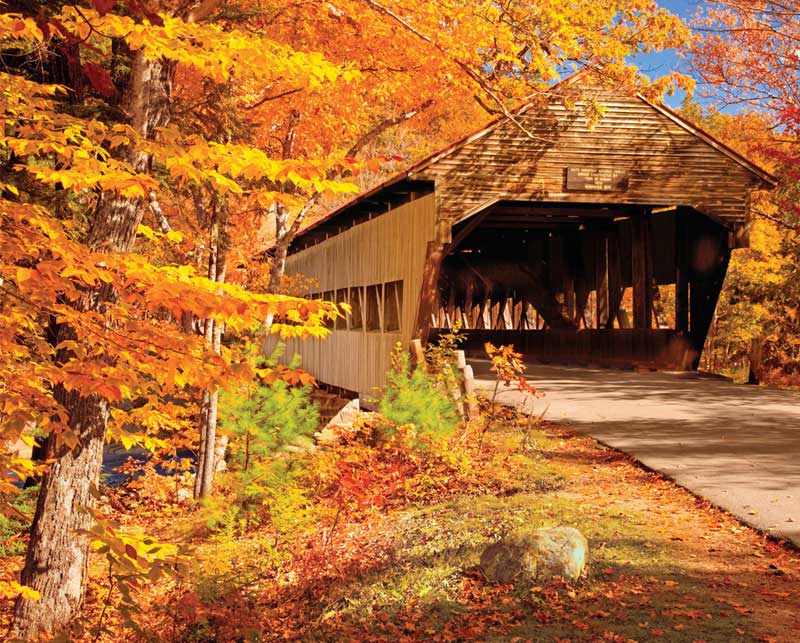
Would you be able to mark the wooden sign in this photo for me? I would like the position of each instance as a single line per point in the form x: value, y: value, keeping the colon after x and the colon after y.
x: 595, y: 179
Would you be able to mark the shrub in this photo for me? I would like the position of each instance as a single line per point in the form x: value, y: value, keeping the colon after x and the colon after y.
x: 412, y: 396
x: 13, y: 525
x: 266, y: 423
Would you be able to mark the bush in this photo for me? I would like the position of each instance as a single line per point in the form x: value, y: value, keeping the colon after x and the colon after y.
x: 413, y: 397
x: 266, y: 423
x: 12, y: 526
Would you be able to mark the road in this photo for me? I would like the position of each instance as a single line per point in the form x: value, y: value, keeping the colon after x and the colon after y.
x: 735, y: 445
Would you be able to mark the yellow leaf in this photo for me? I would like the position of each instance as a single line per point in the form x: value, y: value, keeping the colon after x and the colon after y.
x: 147, y: 231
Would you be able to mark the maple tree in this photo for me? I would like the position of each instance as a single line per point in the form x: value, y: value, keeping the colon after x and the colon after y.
x: 438, y: 69
x: 87, y: 324
x: 747, y: 59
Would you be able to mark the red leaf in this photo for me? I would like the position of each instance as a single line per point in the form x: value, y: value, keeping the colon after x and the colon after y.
x: 100, y: 79
x: 103, y: 6
x: 130, y: 552
x: 43, y: 25
x: 138, y: 8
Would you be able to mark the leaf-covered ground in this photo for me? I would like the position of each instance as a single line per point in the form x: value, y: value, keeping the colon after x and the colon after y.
x: 665, y: 566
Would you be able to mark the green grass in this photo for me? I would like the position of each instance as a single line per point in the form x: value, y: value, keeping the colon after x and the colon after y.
x: 14, y: 525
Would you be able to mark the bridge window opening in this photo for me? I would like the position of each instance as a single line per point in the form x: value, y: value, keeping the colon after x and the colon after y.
x: 357, y: 308
x: 373, y: 307
x: 328, y: 295
x: 341, y: 298
x: 392, y: 306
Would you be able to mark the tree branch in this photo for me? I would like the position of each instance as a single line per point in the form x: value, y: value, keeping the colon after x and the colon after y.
x: 385, y: 124
x: 301, y: 216
x: 470, y: 73
x: 268, y: 98
x: 769, y: 217
x: 202, y: 10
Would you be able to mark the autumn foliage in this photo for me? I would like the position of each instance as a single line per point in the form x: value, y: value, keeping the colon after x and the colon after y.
x: 153, y: 156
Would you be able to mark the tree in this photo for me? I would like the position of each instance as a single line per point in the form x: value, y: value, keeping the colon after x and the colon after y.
x: 747, y: 59
x: 83, y: 315
x: 94, y: 142
x: 438, y: 69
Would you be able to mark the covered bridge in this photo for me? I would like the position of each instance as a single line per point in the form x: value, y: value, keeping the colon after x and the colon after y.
x: 602, y: 245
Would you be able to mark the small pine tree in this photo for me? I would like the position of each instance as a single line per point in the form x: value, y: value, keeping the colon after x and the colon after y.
x: 413, y: 397
x: 264, y: 423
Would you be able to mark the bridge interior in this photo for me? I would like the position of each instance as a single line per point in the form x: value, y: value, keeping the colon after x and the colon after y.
x: 604, y: 284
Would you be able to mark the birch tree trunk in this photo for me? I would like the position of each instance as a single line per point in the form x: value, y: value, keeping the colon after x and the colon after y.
x: 57, y: 558
x: 209, y: 408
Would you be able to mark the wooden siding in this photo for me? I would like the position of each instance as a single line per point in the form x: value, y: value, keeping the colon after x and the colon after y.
x: 617, y: 348
x: 388, y: 248
x: 664, y: 163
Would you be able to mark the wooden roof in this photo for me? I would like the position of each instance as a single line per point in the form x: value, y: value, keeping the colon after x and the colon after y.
x: 666, y: 160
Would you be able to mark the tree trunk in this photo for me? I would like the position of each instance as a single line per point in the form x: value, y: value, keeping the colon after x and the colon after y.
x: 57, y: 558
x: 755, y: 358
x: 206, y: 459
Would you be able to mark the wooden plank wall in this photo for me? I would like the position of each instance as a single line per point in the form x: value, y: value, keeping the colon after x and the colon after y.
x: 664, y: 163
x: 387, y: 248
x: 618, y: 348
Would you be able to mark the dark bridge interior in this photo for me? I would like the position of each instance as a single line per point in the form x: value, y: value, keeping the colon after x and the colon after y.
x: 615, y: 285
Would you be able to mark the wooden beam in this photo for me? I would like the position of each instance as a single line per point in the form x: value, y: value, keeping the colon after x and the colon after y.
x: 469, y: 228
x: 469, y: 320
x: 451, y: 307
x: 711, y: 241
x: 615, y: 288
x: 429, y: 291
x: 601, y: 279
x: 641, y: 248
x: 682, y: 267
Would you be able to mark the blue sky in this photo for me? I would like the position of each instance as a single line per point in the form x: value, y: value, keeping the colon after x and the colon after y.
x: 659, y: 64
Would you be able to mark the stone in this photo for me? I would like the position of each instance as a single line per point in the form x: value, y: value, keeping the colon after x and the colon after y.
x: 536, y: 555
x: 345, y: 418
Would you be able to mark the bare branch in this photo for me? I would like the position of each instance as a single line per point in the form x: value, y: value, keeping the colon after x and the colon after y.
x: 202, y: 10
x: 384, y: 125
x: 776, y: 220
x: 268, y: 98
x: 470, y: 73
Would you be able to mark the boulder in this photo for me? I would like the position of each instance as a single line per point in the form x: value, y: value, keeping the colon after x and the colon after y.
x: 345, y: 418
x: 536, y: 556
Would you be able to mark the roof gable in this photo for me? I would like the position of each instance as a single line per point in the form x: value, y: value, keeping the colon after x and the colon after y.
x: 695, y: 152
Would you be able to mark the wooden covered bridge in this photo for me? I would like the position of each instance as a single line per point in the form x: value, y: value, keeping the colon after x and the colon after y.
x: 603, y: 245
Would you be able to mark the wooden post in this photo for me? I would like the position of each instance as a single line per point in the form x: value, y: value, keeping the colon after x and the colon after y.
x: 467, y: 377
x: 469, y: 313
x: 429, y: 292
x: 417, y: 354
x: 641, y: 247
x: 713, y: 256
x: 451, y: 308
x: 681, y: 272
x: 601, y: 280
x: 615, y: 288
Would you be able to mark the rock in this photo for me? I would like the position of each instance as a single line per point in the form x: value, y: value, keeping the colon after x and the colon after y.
x: 343, y: 419
x: 184, y: 494
x: 534, y: 556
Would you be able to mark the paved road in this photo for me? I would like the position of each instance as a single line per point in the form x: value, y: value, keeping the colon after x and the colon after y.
x: 736, y: 445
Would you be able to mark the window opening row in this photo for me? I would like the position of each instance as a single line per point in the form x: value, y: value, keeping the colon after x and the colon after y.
x: 375, y: 308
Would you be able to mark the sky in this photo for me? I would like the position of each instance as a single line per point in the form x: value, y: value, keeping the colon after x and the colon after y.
x: 660, y: 64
